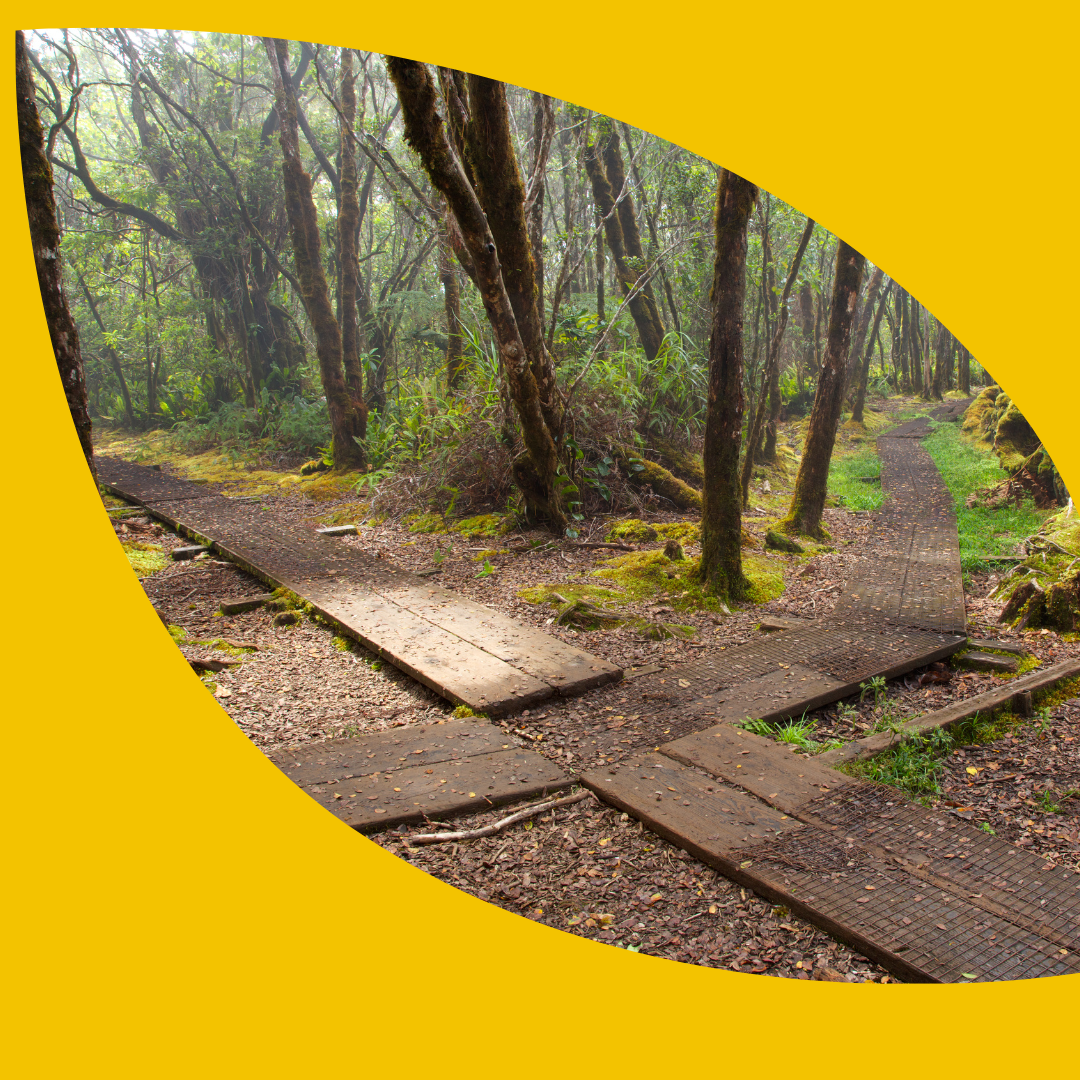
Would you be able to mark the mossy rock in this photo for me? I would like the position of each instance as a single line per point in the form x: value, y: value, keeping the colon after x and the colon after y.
x: 632, y: 529
x: 980, y: 419
x: 317, y: 465
x: 1014, y: 438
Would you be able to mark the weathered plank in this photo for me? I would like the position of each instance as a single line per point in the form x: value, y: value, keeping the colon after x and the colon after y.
x: 886, y: 913
x: 765, y: 768
x: 980, y: 661
x: 953, y: 714
x: 385, y: 751
x: 181, y: 553
x: 461, y: 786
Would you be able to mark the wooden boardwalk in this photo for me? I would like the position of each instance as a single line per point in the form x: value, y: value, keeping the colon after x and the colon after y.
x: 462, y: 650
x: 926, y: 895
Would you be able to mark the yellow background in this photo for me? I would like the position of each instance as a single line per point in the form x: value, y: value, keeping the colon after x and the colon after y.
x: 177, y: 907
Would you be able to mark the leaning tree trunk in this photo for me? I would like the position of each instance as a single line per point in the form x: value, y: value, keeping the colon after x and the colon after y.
x: 811, y: 485
x: 646, y: 318
x: 721, y: 519
x: 304, y: 231
x: 501, y: 192
x: 45, y: 237
x: 536, y: 471
x: 773, y: 361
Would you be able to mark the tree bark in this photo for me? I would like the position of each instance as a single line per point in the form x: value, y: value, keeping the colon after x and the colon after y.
x: 45, y: 237
x: 811, y: 484
x: 864, y: 374
x: 501, y: 192
x: 536, y: 470
x: 348, y: 230
x: 721, y: 520
x: 854, y: 364
x: 773, y: 360
x: 455, y: 367
x: 646, y: 318
x: 304, y: 231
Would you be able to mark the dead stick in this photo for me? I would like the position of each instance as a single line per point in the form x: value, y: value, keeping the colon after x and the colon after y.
x: 498, y: 826
x: 601, y: 544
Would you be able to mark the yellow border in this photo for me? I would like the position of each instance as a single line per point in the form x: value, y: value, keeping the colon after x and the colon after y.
x: 177, y: 907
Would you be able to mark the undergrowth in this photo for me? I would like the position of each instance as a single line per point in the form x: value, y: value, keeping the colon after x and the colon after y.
x: 846, y: 483
x: 983, y: 531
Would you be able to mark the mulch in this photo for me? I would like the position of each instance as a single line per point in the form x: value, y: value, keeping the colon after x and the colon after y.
x: 586, y: 869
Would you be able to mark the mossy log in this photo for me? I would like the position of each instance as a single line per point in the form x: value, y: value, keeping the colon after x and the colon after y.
x: 667, y: 485
x: 779, y: 542
x: 685, y: 465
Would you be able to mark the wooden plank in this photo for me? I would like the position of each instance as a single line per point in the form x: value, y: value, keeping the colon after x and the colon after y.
x: 980, y: 661
x: 466, y: 785
x: 767, y: 769
x: 1000, y: 646
x: 887, y: 914
x: 181, y: 553
x: 337, y: 760
x: 954, y: 714
x: 567, y: 668
x: 446, y: 663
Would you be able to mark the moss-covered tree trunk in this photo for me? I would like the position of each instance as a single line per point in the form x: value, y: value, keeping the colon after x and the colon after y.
x: 307, y: 253
x: 941, y: 339
x: 811, y: 484
x: 721, y: 520
x: 864, y: 373
x: 806, y: 327
x: 501, y: 192
x: 536, y: 471
x: 773, y: 363
x: 646, y: 318
x: 45, y: 238
x: 348, y: 231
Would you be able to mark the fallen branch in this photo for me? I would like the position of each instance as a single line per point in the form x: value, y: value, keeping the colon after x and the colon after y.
x: 498, y: 826
x: 602, y: 544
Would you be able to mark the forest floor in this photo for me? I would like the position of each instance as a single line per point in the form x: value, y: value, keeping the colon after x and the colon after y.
x: 587, y: 869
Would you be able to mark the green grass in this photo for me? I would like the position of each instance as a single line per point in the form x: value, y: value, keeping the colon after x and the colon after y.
x: 845, y: 485
x: 966, y: 468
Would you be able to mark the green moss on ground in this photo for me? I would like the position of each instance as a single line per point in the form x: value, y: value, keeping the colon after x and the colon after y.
x: 145, y: 558
x: 967, y: 468
x: 846, y: 485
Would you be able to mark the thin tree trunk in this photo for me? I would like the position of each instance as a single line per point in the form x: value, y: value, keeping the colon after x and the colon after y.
x: 455, y: 367
x: 348, y: 230
x: 535, y: 471
x: 855, y: 362
x: 304, y: 231
x: 811, y: 485
x: 864, y: 375
x: 773, y: 356
x: 806, y: 326
x: 601, y: 316
x: 45, y: 237
x: 721, y: 520
x: 646, y: 318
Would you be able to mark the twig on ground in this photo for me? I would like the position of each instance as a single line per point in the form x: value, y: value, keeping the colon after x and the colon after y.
x: 497, y: 826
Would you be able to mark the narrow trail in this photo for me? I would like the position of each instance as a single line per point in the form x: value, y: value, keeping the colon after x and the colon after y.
x: 928, y: 897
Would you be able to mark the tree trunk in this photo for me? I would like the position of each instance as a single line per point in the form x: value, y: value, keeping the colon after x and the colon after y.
x: 864, y: 374
x: 45, y: 237
x: 348, y: 230
x: 601, y: 316
x: 806, y: 327
x: 646, y: 318
x: 307, y: 253
x: 811, y: 485
x: 114, y: 360
x: 721, y: 520
x: 455, y: 352
x: 535, y: 471
x: 773, y: 361
x: 854, y: 365
x: 940, y: 363
x: 501, y: 192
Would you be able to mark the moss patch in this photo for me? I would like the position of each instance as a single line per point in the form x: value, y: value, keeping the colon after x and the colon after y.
x: 145, y: 558
x: 631, y: 529
x: 425, y: 523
